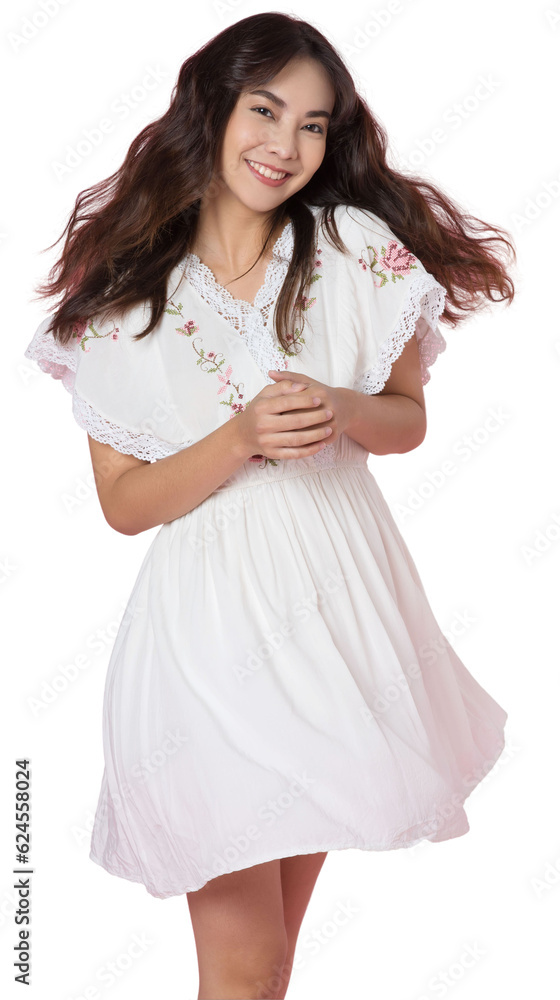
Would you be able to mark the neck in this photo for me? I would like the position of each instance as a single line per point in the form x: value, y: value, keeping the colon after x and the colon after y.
x: 233, y: 234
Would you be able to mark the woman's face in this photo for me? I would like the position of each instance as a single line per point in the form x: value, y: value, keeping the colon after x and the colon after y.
x: 287, y: 133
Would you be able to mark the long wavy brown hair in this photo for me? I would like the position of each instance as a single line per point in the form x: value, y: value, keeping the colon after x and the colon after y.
x: 127, y: 233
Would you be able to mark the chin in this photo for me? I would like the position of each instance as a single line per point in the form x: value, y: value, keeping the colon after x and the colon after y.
x: 264, y: 204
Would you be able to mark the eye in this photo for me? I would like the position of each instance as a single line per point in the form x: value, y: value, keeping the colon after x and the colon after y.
x: 311, y: 125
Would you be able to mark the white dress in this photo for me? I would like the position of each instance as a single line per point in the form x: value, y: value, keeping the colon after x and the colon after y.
x: 278, y: 684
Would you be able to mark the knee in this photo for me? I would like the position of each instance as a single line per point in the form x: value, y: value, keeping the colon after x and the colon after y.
x: 257, y: 966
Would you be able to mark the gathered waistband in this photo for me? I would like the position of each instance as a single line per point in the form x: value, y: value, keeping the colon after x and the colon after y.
x: 271, y: 480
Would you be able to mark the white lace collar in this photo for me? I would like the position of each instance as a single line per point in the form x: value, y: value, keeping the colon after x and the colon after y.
x: 249, y: 319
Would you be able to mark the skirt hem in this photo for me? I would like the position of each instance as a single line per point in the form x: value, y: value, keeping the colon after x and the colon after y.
x: 458, y: 828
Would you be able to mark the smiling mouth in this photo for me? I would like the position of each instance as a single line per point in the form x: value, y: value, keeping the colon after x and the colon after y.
x: 273, y: 175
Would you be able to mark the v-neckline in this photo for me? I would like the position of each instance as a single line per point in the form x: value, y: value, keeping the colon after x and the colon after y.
x: 223, y: 291
x: 247, y: 322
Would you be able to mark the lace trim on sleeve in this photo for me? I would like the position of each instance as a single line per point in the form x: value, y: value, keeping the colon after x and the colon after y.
x: 58, y: 360
x: 425, y: 300
x: 145, y: 446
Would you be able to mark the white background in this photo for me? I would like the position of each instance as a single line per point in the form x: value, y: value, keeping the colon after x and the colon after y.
x: 486, y: 539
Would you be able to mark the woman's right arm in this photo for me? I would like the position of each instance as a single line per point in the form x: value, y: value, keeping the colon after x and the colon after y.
x: 136, y: 495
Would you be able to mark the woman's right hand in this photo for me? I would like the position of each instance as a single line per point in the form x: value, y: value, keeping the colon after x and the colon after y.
x: 283, y: 421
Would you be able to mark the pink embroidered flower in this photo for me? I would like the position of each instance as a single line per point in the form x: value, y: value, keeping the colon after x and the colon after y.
x: 78, y: 329
x: 225, y: 378
x: 188, y: 328
x: 115, y: 336
x: 394, y: 261
x: 315, y: 277
x: 306, y: 302
x: 398, y: 259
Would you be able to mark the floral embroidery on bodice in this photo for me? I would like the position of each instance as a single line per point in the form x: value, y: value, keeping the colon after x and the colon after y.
x: 250, y: 319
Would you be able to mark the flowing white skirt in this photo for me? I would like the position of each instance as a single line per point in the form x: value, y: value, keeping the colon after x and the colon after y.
x: 279, y: 686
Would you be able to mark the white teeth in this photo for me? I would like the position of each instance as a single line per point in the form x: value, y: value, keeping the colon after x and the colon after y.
x: 273, y: 174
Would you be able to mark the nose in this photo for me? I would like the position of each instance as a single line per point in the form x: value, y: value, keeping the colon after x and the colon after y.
x: 282, y: 143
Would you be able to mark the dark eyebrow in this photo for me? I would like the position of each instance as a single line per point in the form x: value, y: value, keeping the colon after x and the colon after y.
x: 282, y: 104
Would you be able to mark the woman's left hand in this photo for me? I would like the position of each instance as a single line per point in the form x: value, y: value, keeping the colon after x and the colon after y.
x: 338, y: 400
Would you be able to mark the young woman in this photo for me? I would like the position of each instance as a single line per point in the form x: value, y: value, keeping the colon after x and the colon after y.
x: 250, y: 307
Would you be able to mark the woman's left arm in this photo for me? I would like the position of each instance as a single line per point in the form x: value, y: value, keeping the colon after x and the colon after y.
x: 394, y: 419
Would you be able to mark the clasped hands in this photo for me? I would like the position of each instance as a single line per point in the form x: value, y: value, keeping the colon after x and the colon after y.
x: 294, y: 418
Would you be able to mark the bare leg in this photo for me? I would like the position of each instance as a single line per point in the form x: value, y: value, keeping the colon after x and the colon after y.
x: 240, y: 937
x: 299, y: 875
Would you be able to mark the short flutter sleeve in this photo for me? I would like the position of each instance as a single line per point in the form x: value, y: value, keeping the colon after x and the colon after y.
x: 394, y: 296
x: 119, y: 386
